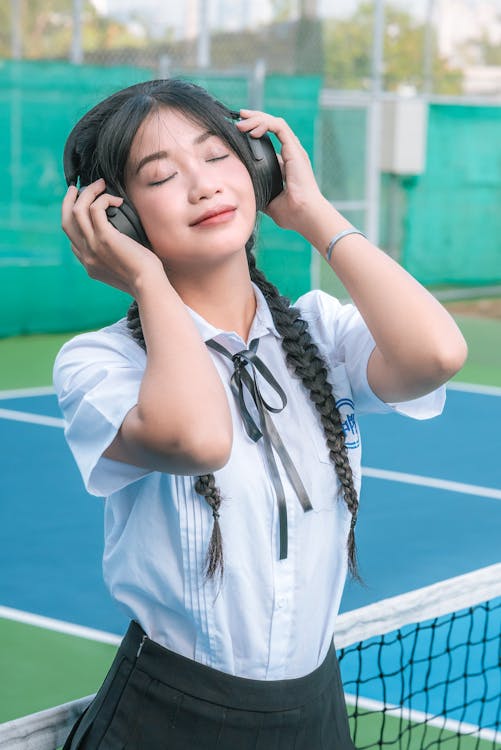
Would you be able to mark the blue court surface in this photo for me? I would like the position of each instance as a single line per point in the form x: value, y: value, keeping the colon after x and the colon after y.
x: 430, y: 508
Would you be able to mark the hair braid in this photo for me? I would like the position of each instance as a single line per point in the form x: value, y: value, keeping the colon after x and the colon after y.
x: 214, y: 561
x: 303, y: 358
x: 205, y: 484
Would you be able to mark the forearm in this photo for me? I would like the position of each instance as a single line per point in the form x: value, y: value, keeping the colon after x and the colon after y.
x: 182, y: 419
x: 415, y: 336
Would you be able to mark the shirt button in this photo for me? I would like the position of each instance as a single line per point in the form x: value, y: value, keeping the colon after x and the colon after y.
x: 281, y: 602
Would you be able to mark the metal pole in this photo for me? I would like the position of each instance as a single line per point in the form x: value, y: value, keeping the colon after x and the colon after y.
x: 16, y: 37
x: 374, y: 125
x: 257, y: 82
x: 245, y: 14
x: 203, y: 45
x: 428, y: 49
x: 76, y: 40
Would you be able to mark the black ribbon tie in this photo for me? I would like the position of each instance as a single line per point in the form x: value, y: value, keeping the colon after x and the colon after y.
x: 241, y: 379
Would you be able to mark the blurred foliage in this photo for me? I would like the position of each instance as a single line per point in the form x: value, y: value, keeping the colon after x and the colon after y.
x: 489, y: 52
x: 46, y: 29
x: 348, y: 52
x: 282, y: 9
x: 340, y: 49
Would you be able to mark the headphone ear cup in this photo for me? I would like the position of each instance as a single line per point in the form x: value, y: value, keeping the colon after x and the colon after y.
x: 267, y: 165
x: 272, y: 168
x: 125, y: 219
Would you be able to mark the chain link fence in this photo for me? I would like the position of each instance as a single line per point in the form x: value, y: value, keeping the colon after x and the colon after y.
x: 450, y: 47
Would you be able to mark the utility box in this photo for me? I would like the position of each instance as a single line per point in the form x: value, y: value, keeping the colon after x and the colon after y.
x: 403, y: 136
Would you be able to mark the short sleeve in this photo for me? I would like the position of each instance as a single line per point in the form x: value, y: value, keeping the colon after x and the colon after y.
x: 97, y: 377
x: 343, y: 338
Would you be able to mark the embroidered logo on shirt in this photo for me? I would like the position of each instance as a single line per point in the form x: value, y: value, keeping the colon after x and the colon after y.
x: 346, y: 409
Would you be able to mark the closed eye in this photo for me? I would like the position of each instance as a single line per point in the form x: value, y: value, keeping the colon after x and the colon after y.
x: 218, y: 158
x: 161, y: 182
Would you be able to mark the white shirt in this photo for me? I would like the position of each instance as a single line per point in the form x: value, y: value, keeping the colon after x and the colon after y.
x: 270, y: 619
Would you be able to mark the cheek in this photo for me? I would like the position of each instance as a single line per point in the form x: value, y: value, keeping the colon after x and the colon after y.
x: 155, y: 212
x: 247, y: 189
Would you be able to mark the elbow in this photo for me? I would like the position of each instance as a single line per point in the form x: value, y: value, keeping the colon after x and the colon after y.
x: 183, y: 449
x: 187, y: 454
x: 452, y: 358
x: 211, y: 451
x: 201, y: 449
x: 445, y: 362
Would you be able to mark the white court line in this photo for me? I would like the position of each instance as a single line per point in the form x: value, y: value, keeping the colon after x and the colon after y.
x: 485, y: 390
x: 46, y: 390
x: 441, y: 484
x: 24, y: 416
x: 59, y: 626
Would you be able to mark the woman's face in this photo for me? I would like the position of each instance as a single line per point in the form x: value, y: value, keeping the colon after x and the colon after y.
x: 194, y: 196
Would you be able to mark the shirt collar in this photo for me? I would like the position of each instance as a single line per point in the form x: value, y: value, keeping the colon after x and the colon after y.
x: 261, y: 325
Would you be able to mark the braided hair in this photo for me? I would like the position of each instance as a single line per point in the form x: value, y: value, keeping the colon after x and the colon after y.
x: 304, y: 361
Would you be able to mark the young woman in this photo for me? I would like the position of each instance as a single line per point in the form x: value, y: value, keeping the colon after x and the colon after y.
x: 220, y: 423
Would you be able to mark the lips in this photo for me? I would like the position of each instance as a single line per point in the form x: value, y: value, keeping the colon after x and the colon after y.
x: 215, y: 216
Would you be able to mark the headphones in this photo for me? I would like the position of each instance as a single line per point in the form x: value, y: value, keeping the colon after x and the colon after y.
x: 124, y: 217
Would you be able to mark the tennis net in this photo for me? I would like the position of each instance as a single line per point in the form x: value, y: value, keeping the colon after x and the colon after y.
x: 423, y: 670
x: 420, y: 671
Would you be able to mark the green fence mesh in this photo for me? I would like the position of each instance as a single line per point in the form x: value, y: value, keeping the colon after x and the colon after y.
x: 446, y: 222
x: 44, y: 287
x: 452, y: 224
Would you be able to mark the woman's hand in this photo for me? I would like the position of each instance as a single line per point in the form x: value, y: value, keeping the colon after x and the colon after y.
x: 295, y: 208
x: 106, y: 254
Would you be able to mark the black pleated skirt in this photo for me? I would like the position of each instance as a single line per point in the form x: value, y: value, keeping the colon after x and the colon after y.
x: 155, y: 699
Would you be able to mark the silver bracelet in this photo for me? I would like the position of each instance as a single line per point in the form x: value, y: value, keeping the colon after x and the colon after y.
x: 336, y: 238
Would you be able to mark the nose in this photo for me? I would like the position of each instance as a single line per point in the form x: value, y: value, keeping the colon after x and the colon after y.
x: 204, y: 183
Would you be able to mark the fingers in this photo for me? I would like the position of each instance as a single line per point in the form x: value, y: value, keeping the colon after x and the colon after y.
x: 75, y: 216
x: 293, y: 207
x: 84, y: 221
x: 83, y: 213
x: 257, y: 123
x: 67, y: 206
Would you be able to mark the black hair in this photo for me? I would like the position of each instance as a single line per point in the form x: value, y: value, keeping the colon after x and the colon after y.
x: 102, y: 146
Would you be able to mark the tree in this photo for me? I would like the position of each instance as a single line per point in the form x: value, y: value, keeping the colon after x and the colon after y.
x: 282, y: 10
x: 348, y: 52
x: 47, y: 28
x: 489, y: 51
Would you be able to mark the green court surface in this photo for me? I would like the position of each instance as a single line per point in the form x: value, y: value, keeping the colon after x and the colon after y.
x: 418, y: 736
x: 483, y: 336
x: 54, y: 668
x: 27, y: 360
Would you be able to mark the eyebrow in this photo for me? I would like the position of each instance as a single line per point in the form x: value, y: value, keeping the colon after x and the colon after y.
x: 157, y: 155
